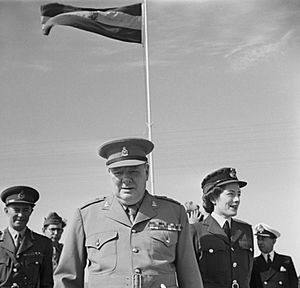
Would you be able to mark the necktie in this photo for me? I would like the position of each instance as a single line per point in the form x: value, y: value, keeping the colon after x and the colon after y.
x: 269, y: 261
x: 226, y: 229
x: 131, y: 212
x: 18, y: 240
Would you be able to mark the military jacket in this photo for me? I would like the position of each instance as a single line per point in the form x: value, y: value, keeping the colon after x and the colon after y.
x: 28, y: 267
x: 281, y: 273
x: 223, y: 262
x: 155, y: 249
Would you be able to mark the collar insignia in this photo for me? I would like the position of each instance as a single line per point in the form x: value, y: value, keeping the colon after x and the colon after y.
x: 154, y: 204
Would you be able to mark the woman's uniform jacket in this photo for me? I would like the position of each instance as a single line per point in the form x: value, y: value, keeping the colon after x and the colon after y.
x: 223, y: 263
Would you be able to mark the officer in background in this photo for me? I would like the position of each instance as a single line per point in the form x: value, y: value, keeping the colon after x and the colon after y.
x: 271, y: 269
x: 223, y: 244
x: 53, y: 228
x: 25, y: 256
x: 130, y: 238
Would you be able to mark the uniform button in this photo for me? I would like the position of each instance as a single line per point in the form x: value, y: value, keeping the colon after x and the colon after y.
x: 280, y: 283
x: 135, y: 250
x: 265, y: 283
x: 18, y: 256
x: 15, y: 270
x: 36, y: 263
x: 232, y: 249
x: 234, y: 264
x: 137, y: 271
x: 133, y: 231
x: 211, y: 250
x: 14, y: 285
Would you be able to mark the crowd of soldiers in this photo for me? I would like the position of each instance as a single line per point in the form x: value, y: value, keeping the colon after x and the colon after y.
x: 134, y: 239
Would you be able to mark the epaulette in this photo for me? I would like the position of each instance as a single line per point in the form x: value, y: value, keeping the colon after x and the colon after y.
x: 168, y: 199
x: 96, y: 200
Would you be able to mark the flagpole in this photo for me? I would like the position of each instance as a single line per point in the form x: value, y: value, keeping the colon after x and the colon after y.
x: 149, y: 121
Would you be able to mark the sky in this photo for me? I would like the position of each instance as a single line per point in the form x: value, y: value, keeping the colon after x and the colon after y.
x: 224, y: 90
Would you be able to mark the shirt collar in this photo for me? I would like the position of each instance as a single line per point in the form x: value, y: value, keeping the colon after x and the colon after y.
x: 221, y: 220
x: 13, y: 232
x: 272, y: 253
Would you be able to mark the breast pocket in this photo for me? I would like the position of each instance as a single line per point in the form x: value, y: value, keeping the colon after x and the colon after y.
x: 4, y: 267
x: 163, y: 244
x: 32, y: 265
x: 214, y: 256
x: 102, y: 251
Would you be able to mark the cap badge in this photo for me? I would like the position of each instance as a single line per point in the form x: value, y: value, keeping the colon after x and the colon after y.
x: 21, y: 195
x: 124, y: 152
x: 232, y: 173
x: 260, y: 228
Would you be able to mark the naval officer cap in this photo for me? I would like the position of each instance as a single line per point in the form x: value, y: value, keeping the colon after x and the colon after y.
x: 219, y: 178
x: 126, y: 152
x: 20, y: 195
x: 264, y: 230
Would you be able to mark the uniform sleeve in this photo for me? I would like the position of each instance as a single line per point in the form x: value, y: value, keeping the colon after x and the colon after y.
x: 195, y: 240
x: 46, y: 275
x: 293, y: 275
x: 70, y: 270
x: 187, y: 270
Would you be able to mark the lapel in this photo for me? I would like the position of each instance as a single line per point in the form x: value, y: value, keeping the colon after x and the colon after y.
x: 7, y: 241
x: 236, y: 232
x: 147, y: 209
x: 27, y: 241
x: 116, y: 211
x: 267, y: 274
x: 214, y: 228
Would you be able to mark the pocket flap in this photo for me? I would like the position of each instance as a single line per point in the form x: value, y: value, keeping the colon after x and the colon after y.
x: 97, y: 240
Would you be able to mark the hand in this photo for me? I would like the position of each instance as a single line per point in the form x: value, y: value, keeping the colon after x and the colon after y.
x: 194, y: 216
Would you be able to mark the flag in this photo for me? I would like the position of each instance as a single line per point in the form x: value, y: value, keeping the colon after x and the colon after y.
x: 121, y: 23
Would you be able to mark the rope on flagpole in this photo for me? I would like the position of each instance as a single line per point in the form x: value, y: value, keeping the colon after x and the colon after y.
x: 149, y: 121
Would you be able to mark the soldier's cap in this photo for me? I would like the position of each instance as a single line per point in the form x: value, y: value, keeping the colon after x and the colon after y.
x: 126, y: 152
x: 20, y: 195
x: 219, y: 178
x: 54, y: 218
x: 264, y: 230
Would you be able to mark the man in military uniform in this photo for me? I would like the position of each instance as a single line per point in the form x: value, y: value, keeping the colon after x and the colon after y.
x: 25, y: 256
x: 130, y: 238
x: 223, y: 244
x: 271, y: 269
x: 53, y: 228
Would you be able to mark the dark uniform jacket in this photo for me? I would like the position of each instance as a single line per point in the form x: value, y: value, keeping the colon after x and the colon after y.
x: 281, y: 273
x: 148, y: 253
x: 28, y: 267
x: 223, y: 262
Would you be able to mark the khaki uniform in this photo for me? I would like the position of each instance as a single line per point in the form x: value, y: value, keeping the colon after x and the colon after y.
x: 156, y: 249
x: 223, y: 263
x: 28, y: 267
